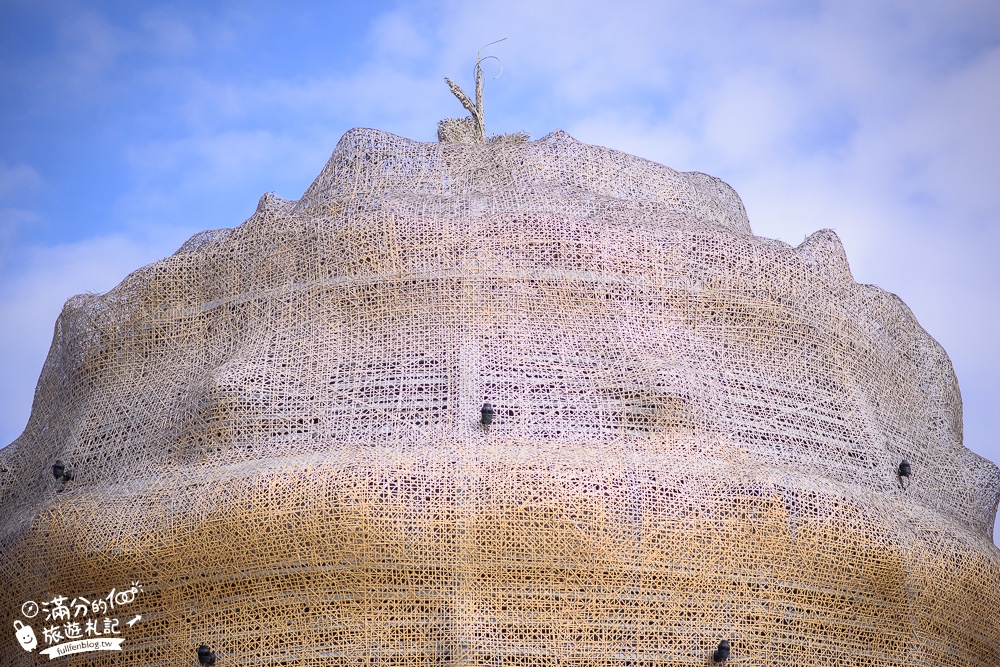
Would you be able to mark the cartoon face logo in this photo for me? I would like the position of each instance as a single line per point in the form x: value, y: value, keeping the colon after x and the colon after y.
x: 25, y: 636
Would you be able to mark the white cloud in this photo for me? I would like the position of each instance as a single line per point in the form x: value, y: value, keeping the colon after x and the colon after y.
x: 395, y: 36
x: 89, y: 46
x: 952, y: 136
x: 17, y: 180
x: 221, y: 159
x: 18, y: 183
x: 167, y: 33
x: 751, y: 116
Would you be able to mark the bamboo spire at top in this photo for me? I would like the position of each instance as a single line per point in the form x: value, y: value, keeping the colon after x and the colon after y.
x: 468, y: 130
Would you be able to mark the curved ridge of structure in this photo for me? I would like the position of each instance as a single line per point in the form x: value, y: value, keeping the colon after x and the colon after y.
x: 697, y: 432
x: 556, y: 173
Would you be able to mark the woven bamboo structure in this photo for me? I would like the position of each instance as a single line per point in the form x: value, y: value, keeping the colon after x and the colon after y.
x: 276, y: 431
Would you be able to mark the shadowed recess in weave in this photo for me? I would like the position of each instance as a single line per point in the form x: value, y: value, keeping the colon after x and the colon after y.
x: 696, y: 434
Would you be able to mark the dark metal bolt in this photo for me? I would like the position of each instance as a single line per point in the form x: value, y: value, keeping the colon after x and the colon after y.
x: 205, y: 655
x: 60, y: 472
x: 721, y: 654
x: 487, y: 416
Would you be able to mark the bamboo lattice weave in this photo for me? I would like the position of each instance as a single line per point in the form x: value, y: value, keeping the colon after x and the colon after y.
x: 276, y: 431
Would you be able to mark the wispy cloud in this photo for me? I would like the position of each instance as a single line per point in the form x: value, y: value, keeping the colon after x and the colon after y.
x: 17, y: 181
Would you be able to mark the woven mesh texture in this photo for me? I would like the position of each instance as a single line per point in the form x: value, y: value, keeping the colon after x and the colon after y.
x: 276, y: 431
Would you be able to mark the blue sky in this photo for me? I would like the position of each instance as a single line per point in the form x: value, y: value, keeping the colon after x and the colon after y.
x: 130, y: 126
